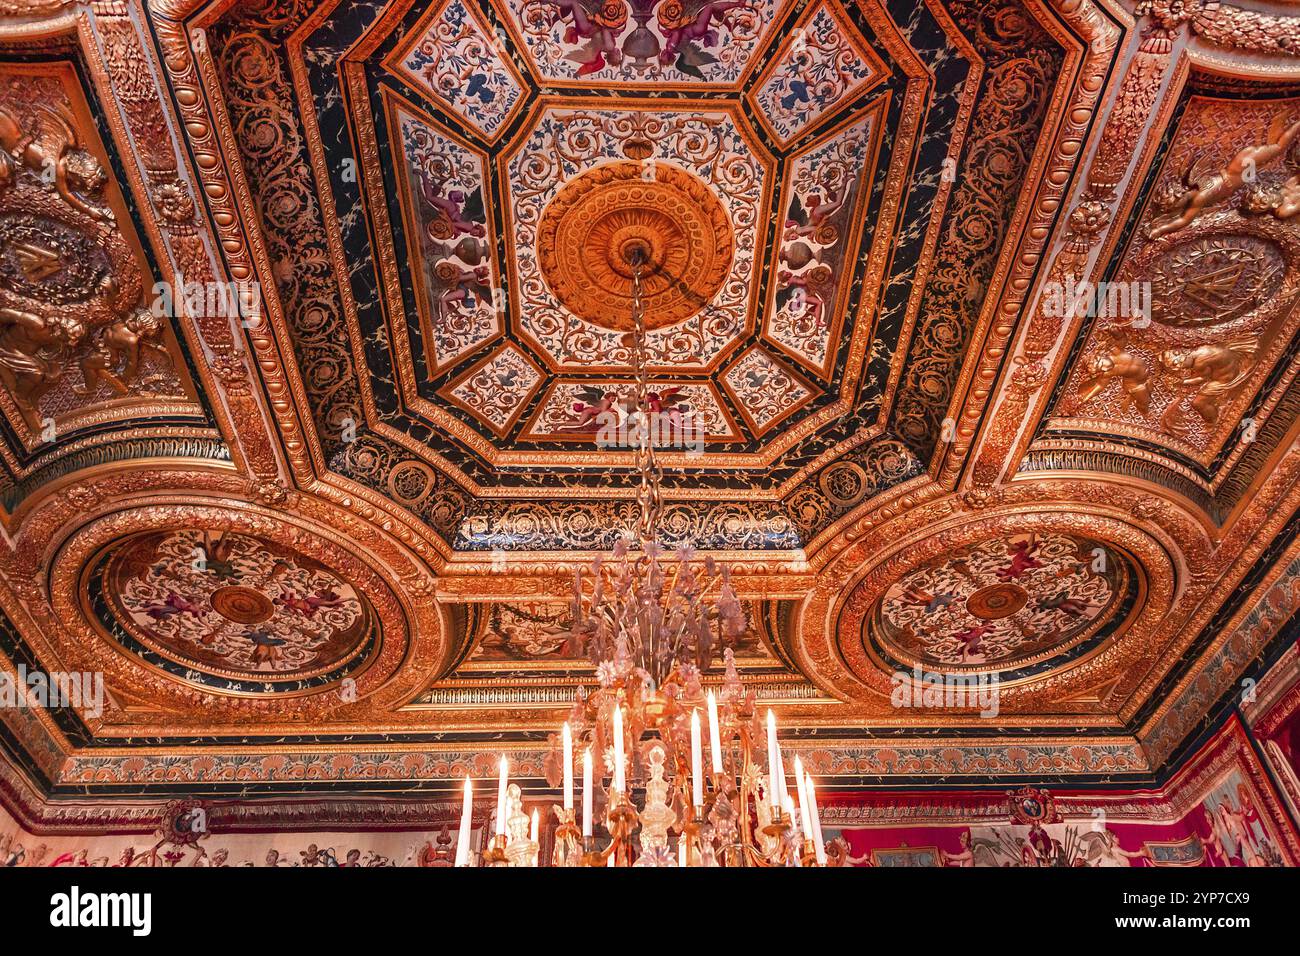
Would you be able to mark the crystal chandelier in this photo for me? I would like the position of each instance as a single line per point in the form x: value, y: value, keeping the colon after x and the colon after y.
x: 651, y: 622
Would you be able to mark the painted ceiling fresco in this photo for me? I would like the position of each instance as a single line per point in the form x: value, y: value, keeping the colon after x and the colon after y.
x: 972, y: 330
x: 513, y: 154
x: 1001, y: 601
x: 541, y: 632
x: 230, y: 608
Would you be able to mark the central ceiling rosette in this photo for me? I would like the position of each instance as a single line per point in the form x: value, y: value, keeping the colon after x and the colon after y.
x: 615, y: 219
x: 691, y: 193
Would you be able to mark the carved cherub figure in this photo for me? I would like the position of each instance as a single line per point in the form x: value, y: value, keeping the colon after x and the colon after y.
x: 1215, y: 371
x: 1115, y: 361
x: 1204, y: 190
x: 1282, y: 199
x: 47, y: 144
x: 122, y: 341
x: 31, y: 352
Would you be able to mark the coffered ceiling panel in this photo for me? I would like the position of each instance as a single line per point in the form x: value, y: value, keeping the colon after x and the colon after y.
x: 744, y: 170
x: 1196, y: 379
x: 89, y: 356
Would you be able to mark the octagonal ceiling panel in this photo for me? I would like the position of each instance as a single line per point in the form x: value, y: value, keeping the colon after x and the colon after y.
x: 484, y: 194
x: 519, y: 215
x: 585, y: 184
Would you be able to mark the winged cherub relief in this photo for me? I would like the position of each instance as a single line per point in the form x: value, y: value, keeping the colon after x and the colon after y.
x: 1213, y: 372
x: 1114, y: 361
x: 1203, y: 189
x: 46, y: 143
x: 1281, y: 199
x: 30, y: 345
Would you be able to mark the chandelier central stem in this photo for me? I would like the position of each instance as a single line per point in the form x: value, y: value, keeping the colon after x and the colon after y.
x: 649, y: 616
x: 649, y: 491
x: 650, y: 495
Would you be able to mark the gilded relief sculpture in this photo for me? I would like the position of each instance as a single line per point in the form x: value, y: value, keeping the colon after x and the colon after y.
x: 1280, y: 199
x: 115, y: 360
x: 30, y: 348
x: 1212, y: 373
x: 1205, y: 189
x: 1217, y: 257
x: 72, y: 289
x: 1115, y: 361
x: 1206, y: 376
x: 45, y: 141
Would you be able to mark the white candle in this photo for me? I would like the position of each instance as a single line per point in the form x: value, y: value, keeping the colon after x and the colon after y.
x: 804, y: 816
x: 773, y: 788
x: 568, y: 767
x: 681, y: 852
x: 586, y: 792
x: 816, y: 821
x: 501, y: 798
x: 715, y: 739
x: 782, y: 794
x: 620, y: 782
x: 532, y: 834
x: 462, y: 838
x: 697, y: 775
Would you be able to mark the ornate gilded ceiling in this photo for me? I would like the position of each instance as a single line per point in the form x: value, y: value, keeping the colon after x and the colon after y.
x: 311, y: 315
x: 744, y: 169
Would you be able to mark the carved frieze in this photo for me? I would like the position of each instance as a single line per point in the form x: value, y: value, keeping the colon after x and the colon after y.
x: 81, y: 339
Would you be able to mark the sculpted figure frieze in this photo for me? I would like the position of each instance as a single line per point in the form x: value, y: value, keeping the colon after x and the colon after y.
x: 1205, y: 189
x: 76, y: 329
